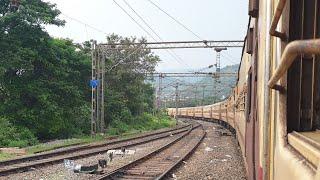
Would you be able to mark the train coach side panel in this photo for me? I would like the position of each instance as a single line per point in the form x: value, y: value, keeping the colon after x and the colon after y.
x: 223, y: 112
x: 216, y: 111
x: 207, y: 112
x: 183, y: 112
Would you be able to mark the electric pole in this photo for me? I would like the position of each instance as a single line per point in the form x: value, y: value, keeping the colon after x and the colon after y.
x: 214, y: 89
x: 98, y: 85
x: 165, y: 102
x: 176, y: 100
x: 195, y: 96
x: 94, y: 83
x: 159, y: 104
x: 218, y: 65
x: 155, y: 100
x: 203, y: 88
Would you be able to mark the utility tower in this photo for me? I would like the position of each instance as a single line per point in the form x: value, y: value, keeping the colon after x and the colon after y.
x: 165, y: 102
x: 195, y: 96
x: 176, y: 99
x: 203, y: 88
x: 218, y: 65
x: 159, y: 104
x: 98, y: 86
x: 218, y: 68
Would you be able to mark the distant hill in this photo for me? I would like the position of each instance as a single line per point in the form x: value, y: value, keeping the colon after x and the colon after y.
x: 231, y: 68
x: 193, y: 89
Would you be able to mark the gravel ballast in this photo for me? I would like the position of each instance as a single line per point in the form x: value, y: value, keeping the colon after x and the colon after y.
x: 59, y: 172
x: 218, y: 157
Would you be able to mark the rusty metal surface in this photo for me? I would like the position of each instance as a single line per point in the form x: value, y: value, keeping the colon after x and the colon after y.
x: 275, y: 21
x: 158, y: 163
x: 293, y: 49
x: 26, y: 163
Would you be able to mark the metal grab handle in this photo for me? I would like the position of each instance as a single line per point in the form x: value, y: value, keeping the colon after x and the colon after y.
x: 292, y: 50
x: 275, y: 21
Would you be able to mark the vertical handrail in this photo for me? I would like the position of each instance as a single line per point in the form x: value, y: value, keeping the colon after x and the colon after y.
x: 275, y: 21
x: 292, y: 50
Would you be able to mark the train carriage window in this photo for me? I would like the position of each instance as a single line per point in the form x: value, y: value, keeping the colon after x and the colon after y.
x: 303, y: 83
x: 250, y: 41
x: 303, y: 100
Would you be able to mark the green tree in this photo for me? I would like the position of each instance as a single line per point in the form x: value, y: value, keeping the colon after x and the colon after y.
x: 127, y: 92
x: 43, y: 81
x: 44, y: 90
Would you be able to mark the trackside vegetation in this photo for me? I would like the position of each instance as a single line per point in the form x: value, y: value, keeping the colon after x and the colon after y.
x: 44, y: 81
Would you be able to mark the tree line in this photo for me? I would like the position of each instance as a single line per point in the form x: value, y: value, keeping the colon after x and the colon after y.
x: 44, y: 82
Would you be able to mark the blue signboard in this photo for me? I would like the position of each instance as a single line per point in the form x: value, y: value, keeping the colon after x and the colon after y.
x: 94, y: 83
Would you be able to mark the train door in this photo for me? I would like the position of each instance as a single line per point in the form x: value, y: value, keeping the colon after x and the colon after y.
x: 252, y: 129
x: 249, y: 140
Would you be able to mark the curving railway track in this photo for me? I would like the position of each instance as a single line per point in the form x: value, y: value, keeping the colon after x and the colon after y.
x: 81, y: 151
x: 161, y: 161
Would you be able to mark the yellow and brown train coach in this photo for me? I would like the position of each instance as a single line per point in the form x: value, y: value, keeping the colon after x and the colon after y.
x: 275, y: 106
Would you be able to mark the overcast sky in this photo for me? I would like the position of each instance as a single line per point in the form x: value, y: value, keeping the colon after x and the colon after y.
x: 210, y: 19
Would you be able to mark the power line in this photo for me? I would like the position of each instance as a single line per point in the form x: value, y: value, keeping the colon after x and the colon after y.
x: 173, y: 54
x: 228, y: 59
x: 228, y: 55
x: 85, y: 24
x: 87, y: 35
x: 142, y: 19
x: 122, y: 60
x: 98, y: 30
x: 177, y: 21
x: 134, y: 20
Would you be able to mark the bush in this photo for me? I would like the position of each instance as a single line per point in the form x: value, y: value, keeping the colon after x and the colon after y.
x: 144, y: 122
x: 12, y: 136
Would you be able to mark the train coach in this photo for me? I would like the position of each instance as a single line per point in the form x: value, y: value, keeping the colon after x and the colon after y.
x: 274, y: 109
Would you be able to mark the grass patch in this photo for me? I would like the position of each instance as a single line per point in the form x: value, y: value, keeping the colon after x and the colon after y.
x: 5, y: 156
x: 118, y: 129
x: 145, y: 122
x: 64, y: 143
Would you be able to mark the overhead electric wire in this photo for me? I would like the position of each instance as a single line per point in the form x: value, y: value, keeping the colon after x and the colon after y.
x: 98, y: 30
x: 122, y: 60
x: 85, y: 24
x: 171, y: 52
x: 228, y: 58
x: 174, y: 55
x: 142, y: 19
x: 133, y: 19
x: 176, y: 20
x: 228, y: 55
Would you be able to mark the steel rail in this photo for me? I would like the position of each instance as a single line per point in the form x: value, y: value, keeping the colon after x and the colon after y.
x: 4, y: 170
x: 183, y: 157
x: 292, y: 50
x: 155, y: 152
x: 108, y: 175
x: 25, y: 167
x: 82, y: 147
x: 275, y: 21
